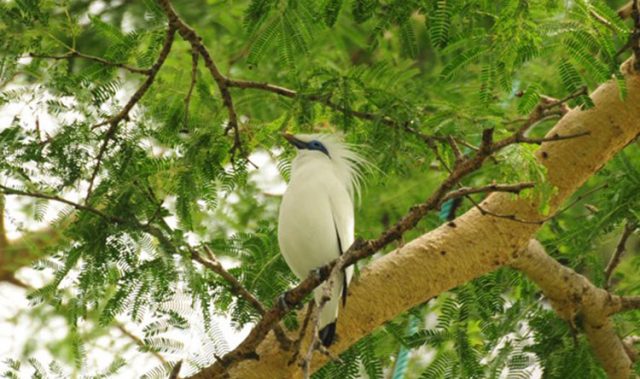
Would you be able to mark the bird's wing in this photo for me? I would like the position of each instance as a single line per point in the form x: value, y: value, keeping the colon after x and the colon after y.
x: 343, y: 219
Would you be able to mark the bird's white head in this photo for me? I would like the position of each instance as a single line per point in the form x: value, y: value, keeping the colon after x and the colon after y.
x: 346, y: 163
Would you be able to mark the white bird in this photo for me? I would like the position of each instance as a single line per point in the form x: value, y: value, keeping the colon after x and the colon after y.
x: 316, y: 215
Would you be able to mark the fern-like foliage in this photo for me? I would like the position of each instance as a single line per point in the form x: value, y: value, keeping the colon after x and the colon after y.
x: 380, y: 72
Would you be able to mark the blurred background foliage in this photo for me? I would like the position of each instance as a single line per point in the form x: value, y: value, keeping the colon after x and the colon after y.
x: 443, y: 68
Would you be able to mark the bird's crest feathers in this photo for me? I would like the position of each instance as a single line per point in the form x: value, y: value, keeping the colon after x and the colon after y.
x: 348, y: 164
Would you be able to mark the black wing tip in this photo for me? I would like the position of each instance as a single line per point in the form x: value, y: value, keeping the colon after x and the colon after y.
x: 328, y: 334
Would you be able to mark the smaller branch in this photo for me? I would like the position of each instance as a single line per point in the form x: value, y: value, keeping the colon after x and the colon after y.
x: 14, y: 191
x: 635, y: 35
x: 194, y: 77
x: 303, y: 331
x: 629, y: 346
x: 550, y: 103
x: 75, y: 53
x: 513, y: 217
x: 213, y: 264
x: 629, y: 303
x: 326, y: 100
x: 175, y: 371
x: 465, y: 191
x: 602, y: 21
x: 553, y: 138
x: 124, y: 113
x: 625, y: 11
x: 578, y: 199
x: 4, y: 241
x: 431, y: 142
x: 486, y: 143
x: 305, y: 363
x: 540, y: 112
x: 139, y: 342
x: 190, y: 35
x: 467, y: 144
x: 629, y: 227
x: 455, y: 148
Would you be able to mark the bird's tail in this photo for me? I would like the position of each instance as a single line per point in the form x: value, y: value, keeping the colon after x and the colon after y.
x: 328, y: 334
x: 329, y: 314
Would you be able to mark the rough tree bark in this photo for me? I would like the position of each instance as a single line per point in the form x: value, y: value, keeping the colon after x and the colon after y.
x: 474, y: 244
x: 572, y: 295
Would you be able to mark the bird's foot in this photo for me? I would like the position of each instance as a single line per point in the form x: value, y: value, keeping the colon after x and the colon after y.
x: 284, y: 303
x: 322, y: 273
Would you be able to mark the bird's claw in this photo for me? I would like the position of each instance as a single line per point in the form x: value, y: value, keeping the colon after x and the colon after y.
x: 286, y: 305
x: 322, y: 273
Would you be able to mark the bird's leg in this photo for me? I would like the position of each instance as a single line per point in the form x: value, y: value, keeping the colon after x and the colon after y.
x: 284, y: 303
x: 322, y: 273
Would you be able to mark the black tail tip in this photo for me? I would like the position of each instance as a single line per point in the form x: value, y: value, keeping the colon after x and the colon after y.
x: 328, y: 334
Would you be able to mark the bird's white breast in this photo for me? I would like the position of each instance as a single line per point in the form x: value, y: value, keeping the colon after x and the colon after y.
x: 307, y: 232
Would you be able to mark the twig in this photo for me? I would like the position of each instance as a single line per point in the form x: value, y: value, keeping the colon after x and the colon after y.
x: 190, y: 35
x: 194, y: 77
x: 465, y: 191
x: 303, y: 330
x: 629, y: 347
x: 635, y: 35
x: 14, y: 191
x: 4, y: 241
x: 625, y: 11
x: 139, y: 342
x: 553, y: 138
x: 454, y: 147
x: 596, y: 16
x: 326, y: 100
x: 629, y: 227
x: 629, y: 303
x: 513, y: 217
x: 305, y: 363
x: 124, y: 113
x: 467, y: 144
x: 75, y: 53
x: 175, y: 371
x: 213, y: 264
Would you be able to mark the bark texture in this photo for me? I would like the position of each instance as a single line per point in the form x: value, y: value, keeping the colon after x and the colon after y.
x: 573, y: 295
x: 474, y: 244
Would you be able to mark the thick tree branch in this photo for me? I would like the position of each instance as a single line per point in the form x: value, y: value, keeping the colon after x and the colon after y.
x: 574, y: 297
x: 445, y: 258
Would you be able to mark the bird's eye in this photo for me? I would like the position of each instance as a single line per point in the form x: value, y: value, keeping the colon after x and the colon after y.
x: 317, y: 145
